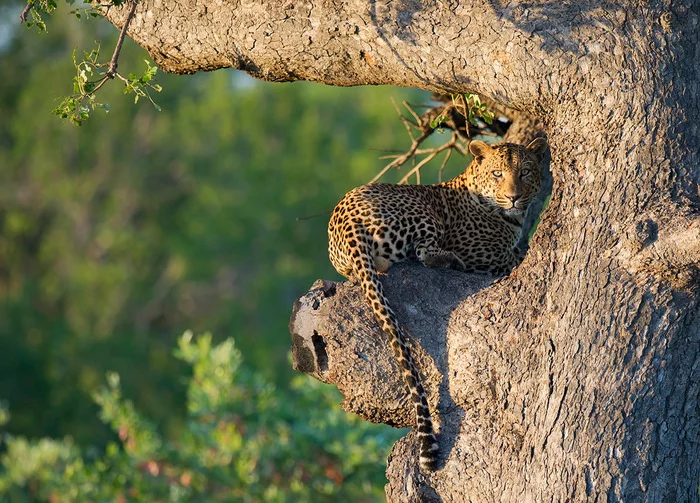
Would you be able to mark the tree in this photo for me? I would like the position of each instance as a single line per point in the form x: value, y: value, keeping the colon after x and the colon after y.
x: 576, y: 377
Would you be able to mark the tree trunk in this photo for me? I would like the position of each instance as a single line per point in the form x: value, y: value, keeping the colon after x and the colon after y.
x: 577, y: 377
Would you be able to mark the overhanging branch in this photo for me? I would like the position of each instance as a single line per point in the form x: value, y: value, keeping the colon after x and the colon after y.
x: 439, y: 46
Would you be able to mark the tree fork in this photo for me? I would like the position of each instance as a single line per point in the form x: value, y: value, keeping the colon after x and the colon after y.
x: 577, y: 377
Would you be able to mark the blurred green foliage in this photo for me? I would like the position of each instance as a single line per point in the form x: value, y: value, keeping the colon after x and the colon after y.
x: 141, y: 224
x: 244, y: 441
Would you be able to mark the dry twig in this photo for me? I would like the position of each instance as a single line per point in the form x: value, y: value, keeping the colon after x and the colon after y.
x: 452, y: 114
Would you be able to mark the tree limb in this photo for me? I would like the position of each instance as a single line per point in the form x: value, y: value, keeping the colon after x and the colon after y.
x: 336, y: 339
x: 369, y: 43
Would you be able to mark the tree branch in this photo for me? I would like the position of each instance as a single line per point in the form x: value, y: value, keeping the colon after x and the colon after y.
x: 369, y: 43
x: 112, y: 70
x: 447, y: 115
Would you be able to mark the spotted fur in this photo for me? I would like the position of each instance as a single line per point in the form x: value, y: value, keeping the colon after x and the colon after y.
x: 470, y: 223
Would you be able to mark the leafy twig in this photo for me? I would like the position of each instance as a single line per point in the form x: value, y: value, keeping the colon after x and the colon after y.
x: 36, y: 7
x: 112, y: 71
x: 113, y: 63
x: 78, y: 106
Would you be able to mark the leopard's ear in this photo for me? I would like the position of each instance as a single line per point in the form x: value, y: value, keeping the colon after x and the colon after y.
x: 479, y: 149
x: 538, y: 146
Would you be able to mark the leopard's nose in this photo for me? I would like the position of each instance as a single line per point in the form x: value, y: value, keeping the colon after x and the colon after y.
x: 513, y: 197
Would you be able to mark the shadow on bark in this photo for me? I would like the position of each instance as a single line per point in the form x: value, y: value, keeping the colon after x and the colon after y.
x: 356, y: 358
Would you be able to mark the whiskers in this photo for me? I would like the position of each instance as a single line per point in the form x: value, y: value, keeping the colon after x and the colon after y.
x: 493, y: 203
x: 523, y: 204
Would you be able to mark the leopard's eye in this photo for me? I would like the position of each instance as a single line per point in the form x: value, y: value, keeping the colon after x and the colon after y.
x: 524, y: 172
x: 496, y: 173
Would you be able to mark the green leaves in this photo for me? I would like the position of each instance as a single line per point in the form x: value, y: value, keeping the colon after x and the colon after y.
x: 470, y: 106
x: 77, y: 107
x: 138, y: 435
x: 244, y: 441
x: 87, y: 10
x: 140, y: 86
x: 90, y: 76
x: 37, y: 8
x: 4, y: 413
x: 435, y: 123
x: 474, y: 108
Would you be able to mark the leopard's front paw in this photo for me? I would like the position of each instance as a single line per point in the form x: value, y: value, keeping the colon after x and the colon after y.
x: 458, y: 264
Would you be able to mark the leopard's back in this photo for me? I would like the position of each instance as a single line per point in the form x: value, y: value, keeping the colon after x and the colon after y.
x: 392, y: 217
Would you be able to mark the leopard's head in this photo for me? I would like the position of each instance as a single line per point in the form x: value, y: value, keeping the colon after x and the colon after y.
x: 507, y: 175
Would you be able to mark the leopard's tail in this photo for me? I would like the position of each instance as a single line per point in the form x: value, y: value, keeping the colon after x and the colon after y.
x: 363, y: 265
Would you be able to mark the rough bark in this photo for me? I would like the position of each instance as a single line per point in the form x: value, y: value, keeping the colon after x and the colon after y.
x: 577, y: 377
x: 335, y: 339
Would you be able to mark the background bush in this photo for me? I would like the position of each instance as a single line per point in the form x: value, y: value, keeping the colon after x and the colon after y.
x: 243, y: 441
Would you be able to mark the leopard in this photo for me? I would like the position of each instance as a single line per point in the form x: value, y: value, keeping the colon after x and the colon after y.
x: 471, y: 223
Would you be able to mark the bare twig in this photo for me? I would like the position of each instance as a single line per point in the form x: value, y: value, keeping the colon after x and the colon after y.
x: 410, y: 110
x: 444, y: 163
x: 25, y: 11
x: 406, y: 123
x: 309, y: 217
x: 416, y: 169
x: 431, y: 155
x: 452, y: 113
x: 401, y: 160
